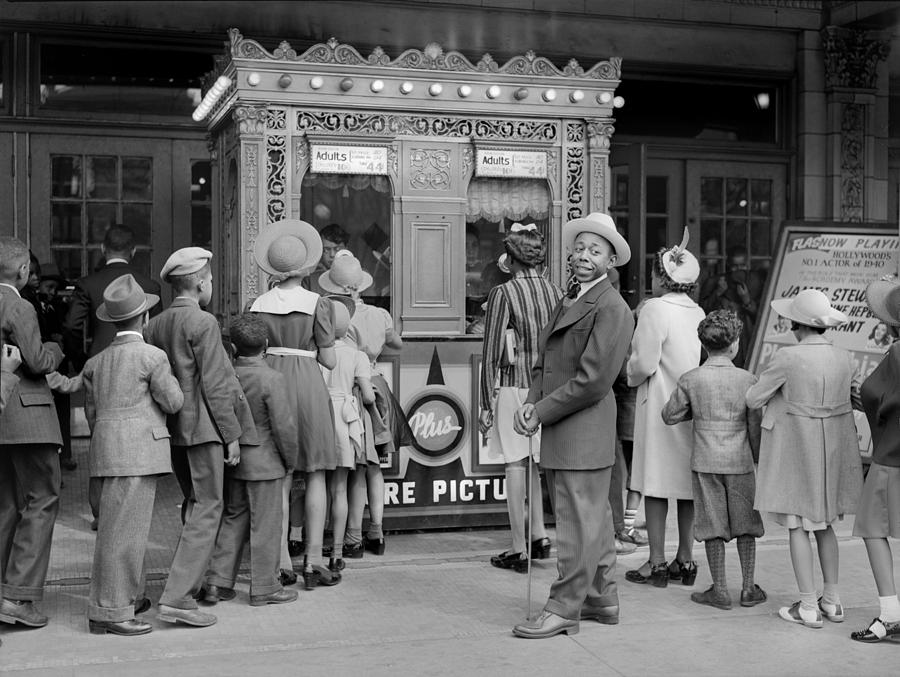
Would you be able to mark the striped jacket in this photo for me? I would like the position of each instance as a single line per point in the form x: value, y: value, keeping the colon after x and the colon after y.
x: 523, y: 304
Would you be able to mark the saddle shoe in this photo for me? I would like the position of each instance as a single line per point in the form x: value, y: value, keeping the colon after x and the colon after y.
x: 547, y: 624
x: 195, y: 617
x: 15, y: 611
x: 124, y: 628
x: 608, y: 615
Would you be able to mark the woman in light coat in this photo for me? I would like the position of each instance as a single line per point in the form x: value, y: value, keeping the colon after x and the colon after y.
x: 809, y: 467
x: 665, y: 345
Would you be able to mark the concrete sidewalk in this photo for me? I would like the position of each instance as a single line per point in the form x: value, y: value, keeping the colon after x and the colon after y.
x: 434, y: 605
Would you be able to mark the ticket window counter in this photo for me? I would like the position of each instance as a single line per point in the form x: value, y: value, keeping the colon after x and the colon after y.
x: 356, y: 207
x: 493, y: 205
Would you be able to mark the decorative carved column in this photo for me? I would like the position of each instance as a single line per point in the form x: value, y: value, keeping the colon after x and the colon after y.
x: 251, y: 127
x: 856, y: 119
x: 599, y: 133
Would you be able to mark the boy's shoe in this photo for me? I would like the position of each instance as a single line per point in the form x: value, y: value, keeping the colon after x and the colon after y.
x: 811, y: 618
x: 754, y: 596
x: 686, y: 572
x: 632, y: 535
x: 710, y: 598
x: 833, y: 612
x: 517, y: 561
x: 623, y: 547
x: 878, y: 631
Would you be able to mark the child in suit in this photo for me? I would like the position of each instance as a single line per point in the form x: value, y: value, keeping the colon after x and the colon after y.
x: 206, y: 433
x: 726, y: 440
x: 352, y: 366
x: 253, y: 498
x: 128, y: 390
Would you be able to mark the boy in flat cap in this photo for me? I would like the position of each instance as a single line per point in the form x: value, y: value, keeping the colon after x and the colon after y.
x: 206, y: 433
x: 29, y: 439
x: 128, y: 390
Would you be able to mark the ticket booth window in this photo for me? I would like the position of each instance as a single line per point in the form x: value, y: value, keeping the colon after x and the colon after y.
x: 359, y: 205
x: 493, y: 206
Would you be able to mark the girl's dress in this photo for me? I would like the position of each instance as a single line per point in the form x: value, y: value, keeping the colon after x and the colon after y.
x: 348, y: 426
x: 299, y: 323
x: 665, y: 345
x: 809, y: 467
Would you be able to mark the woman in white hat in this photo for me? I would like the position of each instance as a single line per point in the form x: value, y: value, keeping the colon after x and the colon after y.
x: 301, y: 337
x: 522, y: 306
x: 373, y: 329
x: 809, y: 468
x: 665, y: 346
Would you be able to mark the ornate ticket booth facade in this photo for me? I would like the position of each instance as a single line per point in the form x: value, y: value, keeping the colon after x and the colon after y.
x: 419, y: 165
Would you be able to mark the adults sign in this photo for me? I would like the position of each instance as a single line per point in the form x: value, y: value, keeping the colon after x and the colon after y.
x: 521, y: 164
x: 348, y: 159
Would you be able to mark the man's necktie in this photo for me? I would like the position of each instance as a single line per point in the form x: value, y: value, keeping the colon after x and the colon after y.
x: 573, y: 288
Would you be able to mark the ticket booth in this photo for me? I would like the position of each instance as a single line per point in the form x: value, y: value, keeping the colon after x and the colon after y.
x: 423, y: 160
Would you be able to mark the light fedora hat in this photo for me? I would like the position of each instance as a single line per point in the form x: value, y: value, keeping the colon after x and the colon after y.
x: 123, y: 299
x: 287, y: 246
x: 599, y: 224
x: 811, y: 308
x: 345, y: 274
x: 680, y: 265
x: 883, y: 297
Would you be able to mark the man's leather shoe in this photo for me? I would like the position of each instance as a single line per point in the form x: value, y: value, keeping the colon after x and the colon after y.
x: 15, y: 611
x: 213, y: 594
x: 141, y: 604
x: 546, y: 625
x: 277, y: 597
x: 171, y: 614
x: 126, y: 628
x: 608, y: 615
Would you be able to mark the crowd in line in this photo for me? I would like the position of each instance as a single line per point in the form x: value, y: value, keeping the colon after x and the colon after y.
x: 286, y: 426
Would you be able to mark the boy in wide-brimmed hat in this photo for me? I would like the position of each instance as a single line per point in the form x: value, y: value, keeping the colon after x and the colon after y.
x: 206, y: 433
x: 809, y: 467
x: 129, y: 389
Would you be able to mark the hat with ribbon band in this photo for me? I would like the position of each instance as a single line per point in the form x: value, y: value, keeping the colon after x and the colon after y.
x: 811, y: 308
x: 123, y: 299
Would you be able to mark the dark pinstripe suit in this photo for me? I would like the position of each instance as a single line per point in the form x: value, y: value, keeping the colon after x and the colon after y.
x: 582, y: 349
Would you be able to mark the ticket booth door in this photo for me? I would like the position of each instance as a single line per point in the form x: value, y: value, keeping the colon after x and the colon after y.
x: 80, y: 185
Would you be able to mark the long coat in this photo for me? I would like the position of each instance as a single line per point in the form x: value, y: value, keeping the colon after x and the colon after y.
x: 582, y: 349
x: 809, y: 461
x: 215, y: 409
x: 30, y: 415
x: 665, y: 346
x: 128, y: 390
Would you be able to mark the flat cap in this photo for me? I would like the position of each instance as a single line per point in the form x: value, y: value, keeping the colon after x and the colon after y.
x: 185, y: 261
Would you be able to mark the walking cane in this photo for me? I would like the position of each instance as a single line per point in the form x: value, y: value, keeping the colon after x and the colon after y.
x: 528, y: 500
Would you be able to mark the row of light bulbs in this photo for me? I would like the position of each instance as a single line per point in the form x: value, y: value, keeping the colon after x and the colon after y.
x: 436, y: 89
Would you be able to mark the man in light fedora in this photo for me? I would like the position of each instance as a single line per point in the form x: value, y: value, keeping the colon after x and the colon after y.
x: 128, y: 391
x: 582, y: 349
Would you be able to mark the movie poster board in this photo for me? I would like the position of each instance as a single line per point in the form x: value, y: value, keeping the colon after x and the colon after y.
x: 840, y: 260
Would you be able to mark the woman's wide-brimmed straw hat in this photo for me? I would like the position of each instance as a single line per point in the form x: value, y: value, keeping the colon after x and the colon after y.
x: 599, y: 224
x: 289, y: 246
x: 883, y: 297
x: 680, y: 265
x: 123, y: 299
x: 346, y: 274
x: 810, y: 307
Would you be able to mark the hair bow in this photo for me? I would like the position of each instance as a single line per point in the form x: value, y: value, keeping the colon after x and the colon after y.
x: 517, y: 227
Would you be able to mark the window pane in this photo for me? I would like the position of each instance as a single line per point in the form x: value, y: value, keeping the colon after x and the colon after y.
x: 69, y: 263
x: 201, y: 184
x: 65, y: 225
x: 620, y: 190
x: 761, y: 197
x: 141, y: 261
x: 65, y: 173
x: 760, y: 238
x: 711, y: 237
x: 138, y: 218
x: 101, y: 178
x: 137, y: 178
x: 657, y: 195
x: 736, y: 196
x: 710, y: 196
x: 100, y: 217
x: 95, y: 259
x: 201, y: 226
x: 736, y: 234
x: 656, y: 233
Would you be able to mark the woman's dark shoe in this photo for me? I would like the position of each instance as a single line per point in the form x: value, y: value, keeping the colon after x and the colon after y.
x: 540, y: 548
x: 287, y: 577
x: 296, y: 548
x: 336, y: 564
x: 353, y: 550
x: 686, y: 572
x: 316, y: 575
x: 374, y: 545
x: 878, y: 631
x: 517, y: 561
x: 658, y: 578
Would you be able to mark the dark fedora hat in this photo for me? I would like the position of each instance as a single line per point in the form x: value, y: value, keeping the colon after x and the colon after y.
x: 123, y: 299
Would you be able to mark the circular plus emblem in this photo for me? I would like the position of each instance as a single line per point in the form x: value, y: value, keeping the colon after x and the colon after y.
x: 437, y: 423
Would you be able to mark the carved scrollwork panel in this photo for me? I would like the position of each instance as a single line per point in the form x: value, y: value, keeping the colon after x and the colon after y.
x: 276, y: 119
x: 275, y: 177
x: 851, y: 57
x: 852, y: 162
x: 574, y: 183
x: 301, y: 161
x: 429, y: 169
x: 574, y: 132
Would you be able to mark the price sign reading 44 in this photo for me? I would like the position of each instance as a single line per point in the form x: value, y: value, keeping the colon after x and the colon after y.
x: 349, y: 159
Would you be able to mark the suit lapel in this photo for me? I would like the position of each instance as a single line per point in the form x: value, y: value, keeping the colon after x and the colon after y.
x: 581, y: 307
